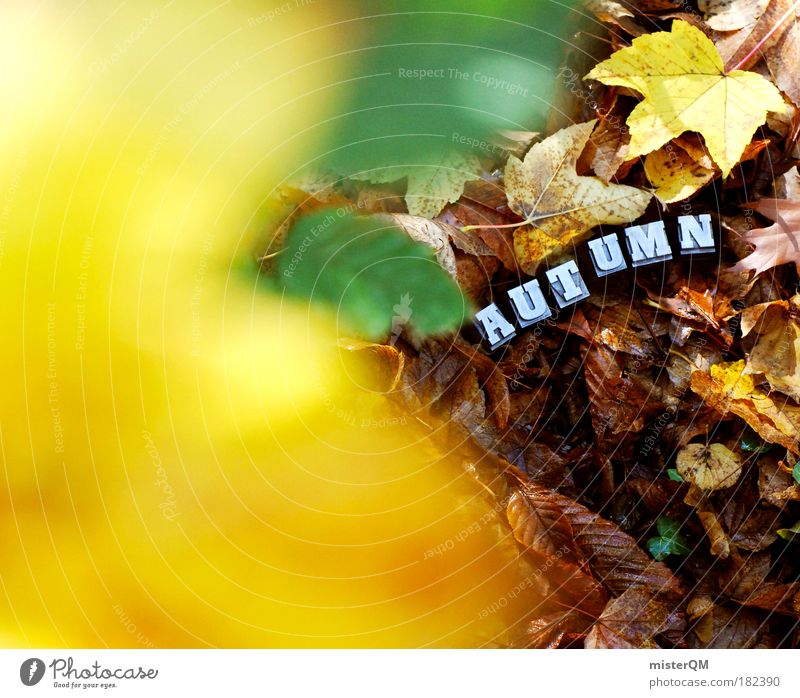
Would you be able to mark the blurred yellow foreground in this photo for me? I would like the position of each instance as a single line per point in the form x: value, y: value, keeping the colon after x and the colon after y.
x: 184, y: 461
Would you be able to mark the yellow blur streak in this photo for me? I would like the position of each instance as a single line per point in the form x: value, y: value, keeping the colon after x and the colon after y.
x: 183, y: 458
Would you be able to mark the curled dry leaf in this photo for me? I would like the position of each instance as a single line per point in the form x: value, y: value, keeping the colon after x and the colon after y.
x: 561, y: 205
x: 685, y: 88
x: 726, y: 390
x: 712, y: 467
x: 432, y: 233
x: 541, y: 526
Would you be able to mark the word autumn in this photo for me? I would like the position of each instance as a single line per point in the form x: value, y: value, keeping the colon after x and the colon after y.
x: 647, y: 244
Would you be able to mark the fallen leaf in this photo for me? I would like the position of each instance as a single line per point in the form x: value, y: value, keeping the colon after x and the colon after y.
x: 729, y: 15
x: 721, y: 627
x: 720, y: 543
x: 675, y: 174
x: 726, y: 390
x: 612, y: 555
x: 434, y: 234
x: 710, y: 467
x: 562, y: 206
x: 430, y: 186
x: 541, y: 526
x: 633, y: 620
x: 773, y: 332
x: 777, y: 244
x: 685, y: 88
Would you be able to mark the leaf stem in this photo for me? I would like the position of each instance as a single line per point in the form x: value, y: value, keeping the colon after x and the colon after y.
x: 527, y: 221
x: 764, y: 40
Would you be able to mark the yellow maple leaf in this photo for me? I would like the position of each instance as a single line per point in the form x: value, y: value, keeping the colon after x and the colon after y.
x: 685, y: 88
x: 547, y: 191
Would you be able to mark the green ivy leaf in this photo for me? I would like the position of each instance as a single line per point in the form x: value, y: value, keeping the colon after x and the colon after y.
x: 371, y: 274
x: 670, y: 541
x: 796, y: 473
x: 789, y: 533
x: 673, y: 474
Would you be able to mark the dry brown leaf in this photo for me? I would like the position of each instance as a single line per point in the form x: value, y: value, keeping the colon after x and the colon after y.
x: 541, y: 526
x: 633, y: 620
x: 612, y: 555
x: 730, y: 15
x: 777, y: 244
x: 562, y: 206
x: 722, y: 628
x: 720, y: 544
x: 711, y: 467
x: 434, y: 234
x: 773, y: 332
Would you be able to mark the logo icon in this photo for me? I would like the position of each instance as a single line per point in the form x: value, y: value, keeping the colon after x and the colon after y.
x: 31, y: 671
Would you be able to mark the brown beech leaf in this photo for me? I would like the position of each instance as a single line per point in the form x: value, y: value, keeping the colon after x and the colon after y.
x: 541, y: 526
x: 711, y: 467
x: 560, y: 205
x: 723, y: 628
x: 726, y: 390
x: 633, y: 620
x: 773, y: 331
x: 777, y: 244
x: 612, y: 555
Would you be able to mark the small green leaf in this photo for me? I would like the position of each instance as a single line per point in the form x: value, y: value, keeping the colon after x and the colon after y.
x: 670, y: 541
x: 789, y: 533
x: 752, y: 443
x: 659, y: 548
x: 371, y: 274
x: 673, y: 474
x: 796, y: 473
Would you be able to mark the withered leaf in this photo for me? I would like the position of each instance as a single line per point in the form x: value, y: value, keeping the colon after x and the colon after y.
x: 633, y: 620
x: 777, y: 244
x: 711, y: 467
x: 562, y: 206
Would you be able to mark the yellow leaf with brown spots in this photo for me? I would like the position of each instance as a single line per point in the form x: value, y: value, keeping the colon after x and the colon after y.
x: 711, y: 467
x: 561, y: 205
x: 675, y: 174
x: 685, y: 87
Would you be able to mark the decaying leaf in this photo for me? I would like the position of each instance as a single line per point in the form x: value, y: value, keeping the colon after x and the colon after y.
x: 711, y: 467
x: 777, y: 244
x: 541, y: 526
x: 435, y: 234
x: 562, y: 206
x: 430, y: 187
x: 774, y: 333
x: 633, y: 620
x: 612, y: 555
x: 726, y: 389
x: 729, y: 15
x: 685, y: 88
